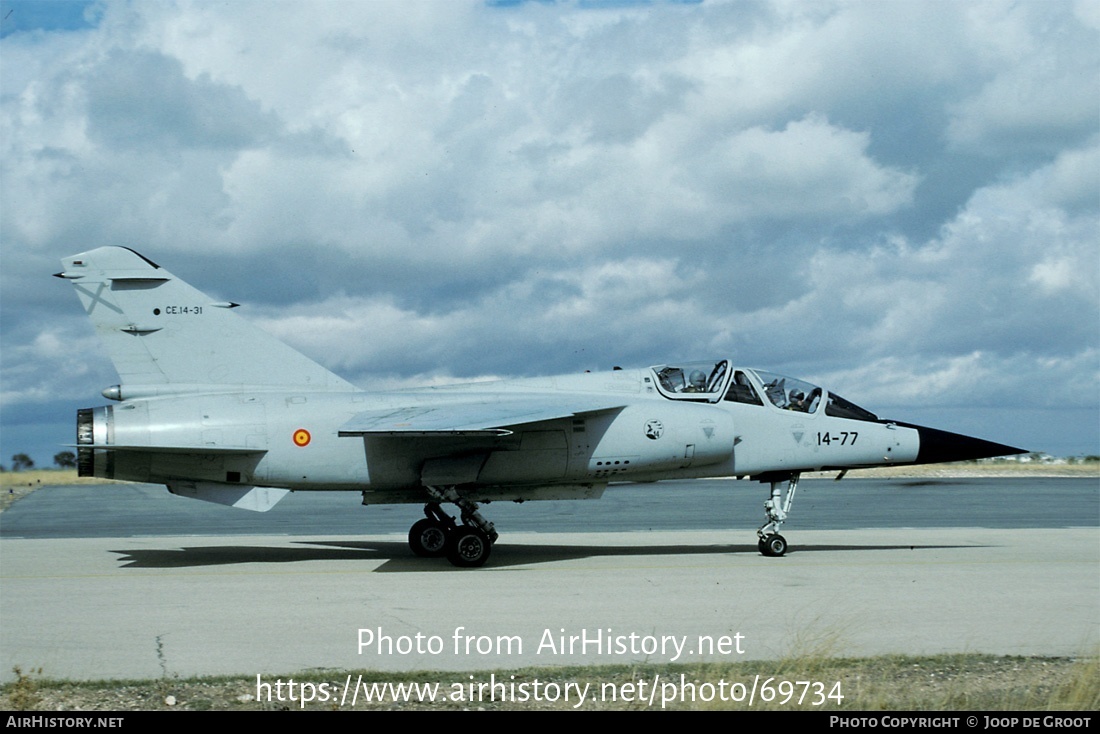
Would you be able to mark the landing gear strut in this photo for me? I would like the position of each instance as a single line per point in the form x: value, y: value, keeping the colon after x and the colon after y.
x: 466, y: 545
x: 776, y: 508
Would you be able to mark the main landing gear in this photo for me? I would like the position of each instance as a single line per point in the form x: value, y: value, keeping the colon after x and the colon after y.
x: 466, y: 545
x: 776, y: 508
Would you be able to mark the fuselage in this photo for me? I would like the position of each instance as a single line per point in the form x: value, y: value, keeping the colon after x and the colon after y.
x: 732, y: 422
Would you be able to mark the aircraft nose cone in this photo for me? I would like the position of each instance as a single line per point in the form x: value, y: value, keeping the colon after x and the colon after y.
x: 938, y: 446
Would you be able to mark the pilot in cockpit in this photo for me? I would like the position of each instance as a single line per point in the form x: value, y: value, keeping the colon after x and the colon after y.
x: 697, y: 382
x: 797, y: 401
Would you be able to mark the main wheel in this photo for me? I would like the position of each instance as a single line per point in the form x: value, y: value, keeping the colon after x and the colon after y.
x: 468, y: 547
x: 428, y: 538
x: 773, y: 545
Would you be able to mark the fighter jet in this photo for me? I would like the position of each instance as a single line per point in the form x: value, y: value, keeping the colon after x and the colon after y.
x: 218, y: 410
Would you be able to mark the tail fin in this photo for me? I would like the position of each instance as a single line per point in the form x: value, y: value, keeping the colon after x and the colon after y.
x: 164, y: 336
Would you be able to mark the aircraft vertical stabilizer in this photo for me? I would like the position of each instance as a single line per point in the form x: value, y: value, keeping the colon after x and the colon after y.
x: 162, y: 334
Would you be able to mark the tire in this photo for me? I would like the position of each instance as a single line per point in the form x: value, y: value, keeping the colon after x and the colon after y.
x: 775, y: 545
x: 468, y: 547
x: 428, y: 539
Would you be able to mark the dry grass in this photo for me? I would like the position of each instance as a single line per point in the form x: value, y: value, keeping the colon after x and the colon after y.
x: 893, y: 683
x: 15, y: 485
x: 45, y: 478
x: 978, y: 469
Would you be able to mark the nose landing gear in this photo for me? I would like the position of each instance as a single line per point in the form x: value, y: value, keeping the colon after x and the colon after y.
x: 776, y: 509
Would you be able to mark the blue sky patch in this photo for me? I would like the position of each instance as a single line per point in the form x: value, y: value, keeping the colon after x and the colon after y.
x: 21, y: 16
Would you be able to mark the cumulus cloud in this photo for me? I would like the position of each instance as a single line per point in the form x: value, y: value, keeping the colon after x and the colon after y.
x: 1038, y: 93
x: 881, y: 195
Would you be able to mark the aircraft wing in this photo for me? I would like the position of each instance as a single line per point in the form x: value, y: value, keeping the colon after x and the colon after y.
x: 484, y: 418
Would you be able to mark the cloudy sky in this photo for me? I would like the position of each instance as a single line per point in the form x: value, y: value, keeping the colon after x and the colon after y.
x: 897, y: 200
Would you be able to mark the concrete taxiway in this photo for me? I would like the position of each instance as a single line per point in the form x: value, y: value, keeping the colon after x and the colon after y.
x: 165, y: 606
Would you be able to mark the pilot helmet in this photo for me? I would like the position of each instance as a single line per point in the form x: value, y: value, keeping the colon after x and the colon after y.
x: 797, y: 395
x: 698, y: 379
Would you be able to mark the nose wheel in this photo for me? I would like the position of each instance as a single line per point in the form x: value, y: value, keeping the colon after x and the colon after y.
x: 772, y: 545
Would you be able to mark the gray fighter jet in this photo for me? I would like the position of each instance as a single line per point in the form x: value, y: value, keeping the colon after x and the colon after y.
x: 219, y: 410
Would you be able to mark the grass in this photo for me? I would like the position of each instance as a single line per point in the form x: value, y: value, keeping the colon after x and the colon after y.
x: 45, y: 477
x: 994, y: 468
x: 15, y: 485
x: 892, y: 683
x: 23, y: 693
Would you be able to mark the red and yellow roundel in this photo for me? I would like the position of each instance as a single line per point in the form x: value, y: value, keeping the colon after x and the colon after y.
x: 301, y: 437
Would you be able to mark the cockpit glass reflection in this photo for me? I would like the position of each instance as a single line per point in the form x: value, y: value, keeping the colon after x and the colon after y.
x: 788, y: 393
x: 700, y: 380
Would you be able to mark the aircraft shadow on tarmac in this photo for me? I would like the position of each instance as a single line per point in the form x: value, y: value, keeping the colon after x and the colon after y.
x: 398, y: 559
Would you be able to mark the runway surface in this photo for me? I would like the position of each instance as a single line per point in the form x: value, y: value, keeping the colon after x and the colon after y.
x: 127, y: 510
x: 167, y: 605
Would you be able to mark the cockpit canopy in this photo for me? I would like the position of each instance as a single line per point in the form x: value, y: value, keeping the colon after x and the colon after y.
x: 717, y: 381
x: 698, y: 380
